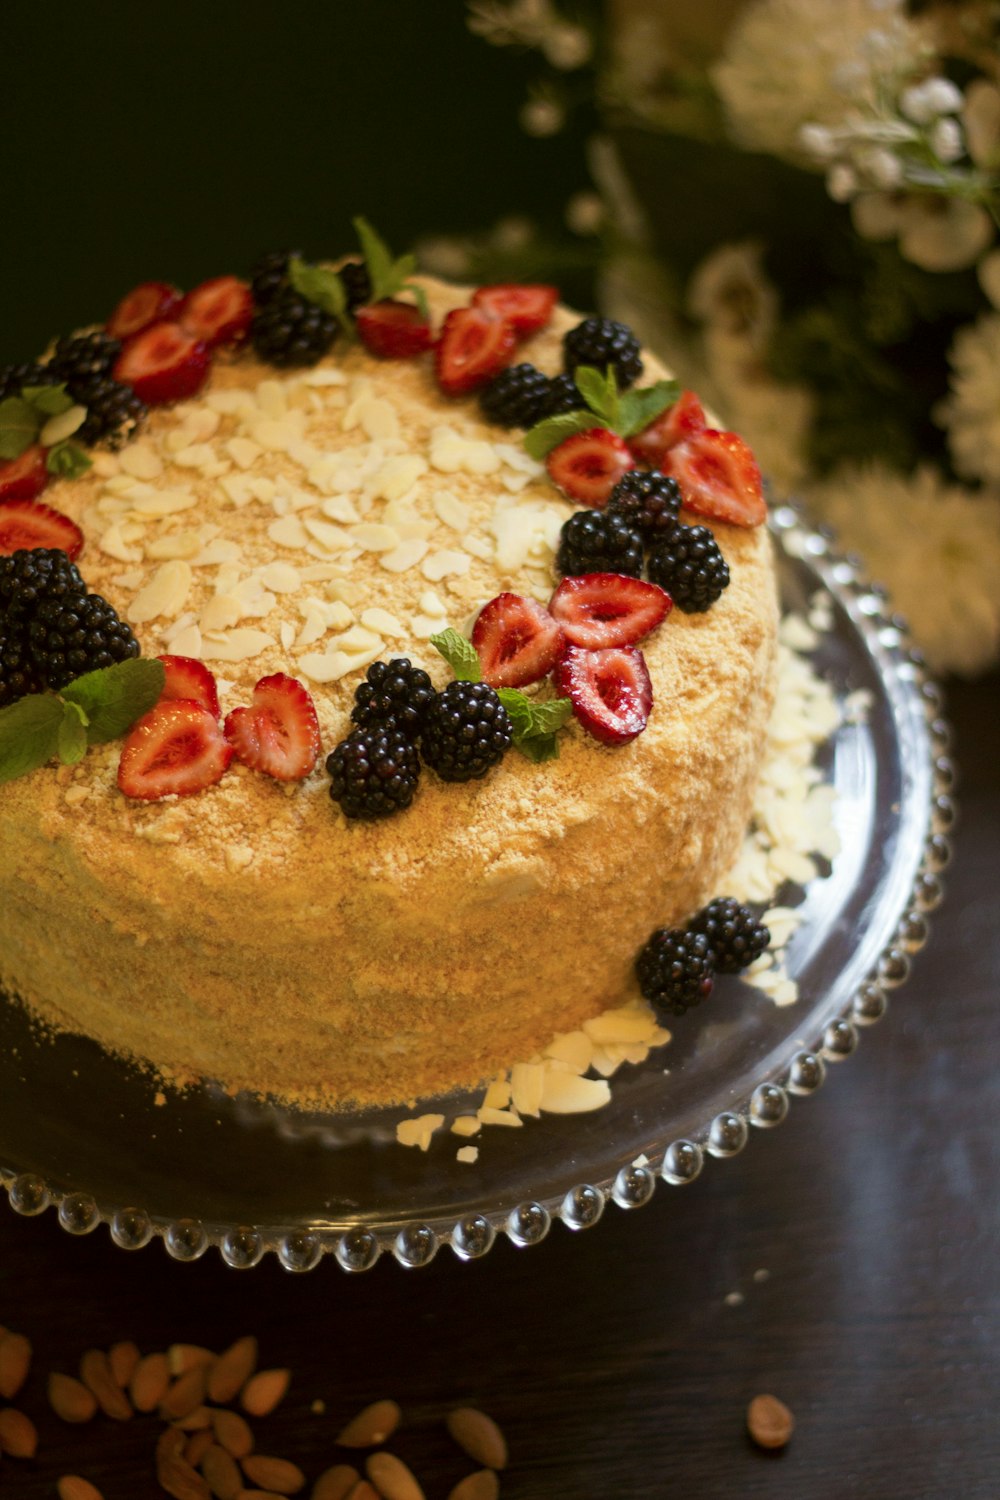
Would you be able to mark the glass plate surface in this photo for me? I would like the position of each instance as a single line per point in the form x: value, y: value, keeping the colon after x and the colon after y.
x: 80, y: 1129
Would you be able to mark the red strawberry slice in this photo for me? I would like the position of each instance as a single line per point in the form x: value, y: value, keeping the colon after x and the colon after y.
x: 527, y: 306
x: 189, y: 679
x: 174, y: 750
x: 393, y: 330
x: 588, y: 465
x: 25, y: 524
x: 597, y: 610
x: 219, y: 311
x: 24, y: 477
x: 279, y: 735
x: 163, y: 363
x: 473, y: 347
x: 517, y: 641
x: 719, y: 477
x: 678, y: 422
x: 611, y: 691
x: 150, y: 302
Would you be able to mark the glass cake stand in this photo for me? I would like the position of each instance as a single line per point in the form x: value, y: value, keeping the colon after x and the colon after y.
x: 81, y: 1131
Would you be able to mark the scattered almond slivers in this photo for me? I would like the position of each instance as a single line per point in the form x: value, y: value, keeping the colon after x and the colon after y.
x: 371, y: 1426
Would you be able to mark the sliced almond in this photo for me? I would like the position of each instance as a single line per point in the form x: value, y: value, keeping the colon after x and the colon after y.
x: 123, y: 1358
x: 478, y: 1436
x: 264, y: 1391
x: 232, y: 1432
x: 275, y: 1474
x: 95, y: 1372
x: 336, y: 1483
x: 70, y: 1399
x: 18, y: 1433
x: 392, y: 1478
x: 73, y: 1487
x: 482, y: 1485
x: 149, y: 1382
x: 185, y: 1395
x: 222, y: 1472
x: 371, y: 1426
x: 232, y: 1370
x: 15, y: 1362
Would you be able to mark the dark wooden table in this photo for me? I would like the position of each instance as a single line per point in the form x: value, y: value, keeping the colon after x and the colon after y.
x: 846, y: 1262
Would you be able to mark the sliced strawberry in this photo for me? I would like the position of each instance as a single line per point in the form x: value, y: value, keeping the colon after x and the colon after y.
x: 219, y: 311
x: 527, y: 306
x: 150, y: 302
x: 678, y: 422
x: 24, y: 477
x: 393, y: 330
x: 163, y: 363
x: 588, y: 465
x: 517, y: 641
x: 174, y: 750
x: 189, y: 679
x: 473, y: 347
x: 611, y: 691
x: 597, y: 610
x: 25, y: 524
x: 719, y: 477
x: 279, y: 735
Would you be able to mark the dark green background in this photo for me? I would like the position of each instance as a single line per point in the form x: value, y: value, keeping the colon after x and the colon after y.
x: 145, y: 141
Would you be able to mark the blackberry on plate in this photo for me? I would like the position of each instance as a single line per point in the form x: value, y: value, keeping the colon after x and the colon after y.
x: 690, y: 566
x: 374, y: 772
x: 675, y: 970
x: 269, y: 275
x: 84, y: 358
x: 290, y: 330
x: 357, y: 284
x: 563, y: 396
x: 114, y: 411
x: 735, y: 935
x: 518, y: 397
x: 393, y: 692
x: 466, y: 731
x: 13, y: 378
x: 603, y: 343
x: 649, y: 501
x: 593, y: 541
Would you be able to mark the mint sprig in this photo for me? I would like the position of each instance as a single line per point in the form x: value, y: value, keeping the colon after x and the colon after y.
x: 535, y: 722
x: 322, y: 286
x: 67, y: 460
x: 22, y: 418
x: 460, y: 654
x: 388, y: 274
x: 623, y: 412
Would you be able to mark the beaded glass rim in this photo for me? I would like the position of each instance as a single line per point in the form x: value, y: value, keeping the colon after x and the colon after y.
x: 927, y: 814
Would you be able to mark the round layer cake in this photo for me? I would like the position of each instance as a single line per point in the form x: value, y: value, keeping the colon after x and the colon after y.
x: 311, y: 522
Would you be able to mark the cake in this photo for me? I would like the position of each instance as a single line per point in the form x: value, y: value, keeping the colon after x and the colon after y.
x: 310, y: 521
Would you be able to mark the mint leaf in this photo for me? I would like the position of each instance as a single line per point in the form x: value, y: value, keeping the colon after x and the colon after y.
x: 20, y: 425
x: 53, y: 400
x: 68, y: 460
x: 549, y: 433
x: 72, y: 734
x: 535, y: 722
x: 460, y: 654
x: 388, y: 276
x: 29, y: 734
x: 539, y: 748
x: 112, y: 698
x: 419, y: 297
x: 600, y: 391
x: 322, y: 286
x: 639, y: 408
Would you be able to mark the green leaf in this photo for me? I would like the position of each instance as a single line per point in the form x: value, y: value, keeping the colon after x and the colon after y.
x: 419, y: 297
x: 460, y: 654
x: 72, y: 734
x: 539, y: 748
x: 53, y: 400
x: 548, y: 434
x: 379, y: 262
x: 535, y: 722
x: 639, y: 408
x: 29, y: 734
x: 600, y: 391
x: 68, y: 460
x: 322, y: 286
x: 112, y: 698
x: 20, y: 425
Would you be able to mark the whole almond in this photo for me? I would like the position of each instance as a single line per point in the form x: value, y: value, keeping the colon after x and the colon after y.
x: 186, y: 1393
x: 72, y: 1487
x: 769, y: 1422
x: 184, y: 1357
x: 371, y: 1426
x: 478, y: 1436
x: 232, y: 1370
x: 336, y: 1483
x: 123, y: 1358
x: 70, y: 1399
x: 179, y: 1479
x: 363, y: 1491
x: 232, y: 1432
x: 18, y: 1434
x: 222, y: 1472
x: 197, y: 1446
x: 199, y: 1420
x: 482, y: 1485
x: 391, y: 1477
x: 15, y: 1362
x: 264, y: 1390
x: 95, y: 1372
x: 275, y: 1474
x: 260, y: 1495
x: 150, y: 1382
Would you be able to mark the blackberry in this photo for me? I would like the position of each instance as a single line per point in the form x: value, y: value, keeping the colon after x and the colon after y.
x: 290, y: 330
x: 603, y: 343
x: 374, y: 772
x: 689, y: 565
x: 393, y: 692
x: 357, y: 284
x: 647, y: 500
x: 734, y: 934
x: 13, y: 378
x: 269, y: 276
x: 518, y: 397
x: 675, y: 970
x: 114, y: 411
x: 563, y: 396
x: 84, y: 358
x: 466, y: 731
x: 592, y: 541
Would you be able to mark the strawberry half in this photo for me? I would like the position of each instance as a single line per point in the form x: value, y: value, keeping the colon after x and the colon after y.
x: 24, y: 477
x: 393, y: 330
x: 611, y: 691
x: 173, y: 751
x: 528, y: 306
x: 597, y: 610
x: 588, y: 465
x: 219, y: 311
x: 163, y: 363
x: 25, y: 524
x: 719, y: 477
x: 680, y: 421
x: 517, y: 641
x: 279, y: 735
x: 150, y: 302
x: 472, y: 348
x: 189, y: 679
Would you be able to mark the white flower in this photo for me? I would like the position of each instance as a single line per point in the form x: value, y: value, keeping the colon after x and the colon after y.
x: 988, y: 271
x: 943, y: 234
x: 972, y: 411
x: 566, y: 46
x: 946, y: 140
x: 925, y: 101
x: 842, y: 182
x: 730, y: 292
x: 818, y: 141
x: 936, y: 546
x: 541, y: 116
x: 512, y: 23
x: 881, y: 168
x: 981, y: 118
